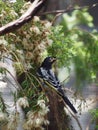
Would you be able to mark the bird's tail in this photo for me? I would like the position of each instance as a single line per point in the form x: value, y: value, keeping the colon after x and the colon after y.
x: 66, y: 100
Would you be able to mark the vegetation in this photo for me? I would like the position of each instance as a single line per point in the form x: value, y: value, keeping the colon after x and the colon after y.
x: 37, y: 39
x: 78, y: 46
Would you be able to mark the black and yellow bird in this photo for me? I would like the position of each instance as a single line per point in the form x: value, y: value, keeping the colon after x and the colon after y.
x: 45, y: 72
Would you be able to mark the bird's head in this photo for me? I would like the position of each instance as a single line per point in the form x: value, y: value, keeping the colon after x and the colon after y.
x: 48, y: 61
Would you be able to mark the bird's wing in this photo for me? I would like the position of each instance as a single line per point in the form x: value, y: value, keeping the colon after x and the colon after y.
x: 49, y: 76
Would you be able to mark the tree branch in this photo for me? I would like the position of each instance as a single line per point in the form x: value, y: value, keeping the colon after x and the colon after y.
x: 27, y: 16
x: 57, y: 13
x: 69, y: 9
x: 30, y: 13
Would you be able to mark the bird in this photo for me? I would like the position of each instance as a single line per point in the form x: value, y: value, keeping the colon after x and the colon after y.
x: 46, y: 73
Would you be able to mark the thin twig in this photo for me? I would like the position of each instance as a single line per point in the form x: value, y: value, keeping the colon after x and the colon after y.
x: 57, y: 13
x: 14, y: 80
x: 69, y: 9
x: 65, y: 79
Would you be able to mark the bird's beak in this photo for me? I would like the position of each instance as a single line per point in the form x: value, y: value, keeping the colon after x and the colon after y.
x: 53, y: 59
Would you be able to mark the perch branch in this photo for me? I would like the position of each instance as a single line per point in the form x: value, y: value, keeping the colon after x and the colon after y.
x: 27, y: 16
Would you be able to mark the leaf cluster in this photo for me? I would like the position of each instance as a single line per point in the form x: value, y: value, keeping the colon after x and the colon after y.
x: 75, y: 42
x: 27, y: 46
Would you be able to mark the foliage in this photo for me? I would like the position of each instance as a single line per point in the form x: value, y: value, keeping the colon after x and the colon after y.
x: 76, y: 44
x: 77, y: 18
x: 7, y: 13
x: 37, y: 39
x: 94, y: 119
x: 27, y: 46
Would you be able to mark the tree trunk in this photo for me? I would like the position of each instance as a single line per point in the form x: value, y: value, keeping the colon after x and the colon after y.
x: 57, y: 117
